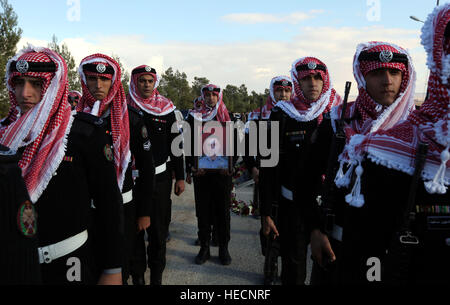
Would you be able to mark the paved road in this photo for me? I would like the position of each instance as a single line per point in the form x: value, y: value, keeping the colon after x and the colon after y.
x: 245, y: 250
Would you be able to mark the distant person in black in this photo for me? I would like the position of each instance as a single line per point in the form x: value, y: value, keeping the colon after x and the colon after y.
x: 74, y: 98
x: 136, y: 193
x: 19, y: 260
x: 298, y: 121
x: 159, y: 119
x: 212, y: 189
x: 64, y: 164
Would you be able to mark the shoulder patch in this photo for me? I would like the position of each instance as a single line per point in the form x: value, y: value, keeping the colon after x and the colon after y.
x: 26, y: 219
x: 108, y: 152
x: 144, y: 132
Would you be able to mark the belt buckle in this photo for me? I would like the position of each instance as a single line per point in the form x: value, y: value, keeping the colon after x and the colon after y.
x: 409, y: 239
x: 44, y: 253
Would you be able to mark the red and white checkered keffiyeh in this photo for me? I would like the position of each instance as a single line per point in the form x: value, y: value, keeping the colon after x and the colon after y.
x: 207, y: 113
x: 264, y: 113
x: 371, y: 116
x: 116, y: 102
x: 156, y: 104
x: 396, y: 148
x: 299, y: 108
x: 43, y: 130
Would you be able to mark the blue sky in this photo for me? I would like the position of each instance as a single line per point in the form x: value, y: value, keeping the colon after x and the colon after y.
x: 251, y: 40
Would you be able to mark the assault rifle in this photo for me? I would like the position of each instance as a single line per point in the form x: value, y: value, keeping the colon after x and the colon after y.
x: 338, y: 143
x: 272, y: 245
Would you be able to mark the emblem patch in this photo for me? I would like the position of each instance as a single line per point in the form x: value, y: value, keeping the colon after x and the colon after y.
x: 144, y: 132
x: 312, y: 65
x: 108, y: 152
x: 386, y: 56
x: 148, y: 69
x: 26, y: 219
x: 22, y: 66
x: 147, y: 145
x: 285, y: 83
x: 101, y: 68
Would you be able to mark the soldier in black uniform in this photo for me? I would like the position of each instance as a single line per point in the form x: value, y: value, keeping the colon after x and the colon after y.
x: 372, y: 110
x: 63, y: 175
x: 159, y: 118
x: 298, y: 120
x: 406, y: 225
x: 19, y: 260
x: 136, y: 193
x: 281, y: 89
x: 212, y: 189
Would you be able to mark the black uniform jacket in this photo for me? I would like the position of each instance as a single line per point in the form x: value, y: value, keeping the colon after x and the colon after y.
x: 85, y: 173
x: 161, y: 137
x: 295, y: 142
x: 19, y: 261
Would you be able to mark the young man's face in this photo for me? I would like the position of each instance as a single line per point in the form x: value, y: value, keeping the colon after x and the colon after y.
x: 98, y: 86
x: 145, y: 86
x: 27, y: 91
x: 383, y: 85
x: 282, y: 94
x: 211, y: 98
x: 311, y: 86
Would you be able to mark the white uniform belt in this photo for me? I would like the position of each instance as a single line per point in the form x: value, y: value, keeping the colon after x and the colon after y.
x: 337, y: 232
x: 127, y: 197
x: 160, y: 169
x: 51, y: 252
x: 287, y: 193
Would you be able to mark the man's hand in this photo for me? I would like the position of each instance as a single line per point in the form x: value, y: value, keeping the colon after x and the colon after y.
x: 188, y: 178
x: 321, y: 249
x: 255, y: 175
x: 143, y: 223
x: 268, y: 226
x: 110, y: 279
x: 179, y: 187
x: 225, y: 172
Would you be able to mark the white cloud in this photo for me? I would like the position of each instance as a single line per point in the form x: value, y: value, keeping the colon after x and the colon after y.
x: 252, y: 18
x: 252, y: 63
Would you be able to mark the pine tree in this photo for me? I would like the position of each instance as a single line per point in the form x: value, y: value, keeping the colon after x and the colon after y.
x: 72, y: 73
x: 10, y: 35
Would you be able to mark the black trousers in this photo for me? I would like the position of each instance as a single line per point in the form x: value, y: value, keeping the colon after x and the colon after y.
x: 135, y: 261
x: 213, y: 197
x: 293, y: 243
x: 159, y: 227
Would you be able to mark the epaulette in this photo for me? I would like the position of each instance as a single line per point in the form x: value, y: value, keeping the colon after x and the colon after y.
x: 135, y: 110
x: 327, y: 116
x: 275, y: 109
x: 89, y: 118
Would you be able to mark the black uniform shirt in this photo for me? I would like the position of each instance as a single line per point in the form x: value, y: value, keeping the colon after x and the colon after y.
x: 295, y: 141
x: 19, y: 261
x: 84, y: 174
x: 161, y: 137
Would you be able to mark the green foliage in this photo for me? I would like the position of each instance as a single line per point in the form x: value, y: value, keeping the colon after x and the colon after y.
x: 10, y: 35
x: 125, y: 75
x: 72, y: 73
x: 175, y: 86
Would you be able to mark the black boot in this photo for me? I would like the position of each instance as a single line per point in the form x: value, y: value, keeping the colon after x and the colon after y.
x: 224, y: 255
x: 155, y: 278
x: 203, y: 254
x: 138, y: 280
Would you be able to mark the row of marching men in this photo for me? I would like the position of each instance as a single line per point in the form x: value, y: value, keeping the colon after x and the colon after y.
x: 82, y: 186
x: 365, y: 183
